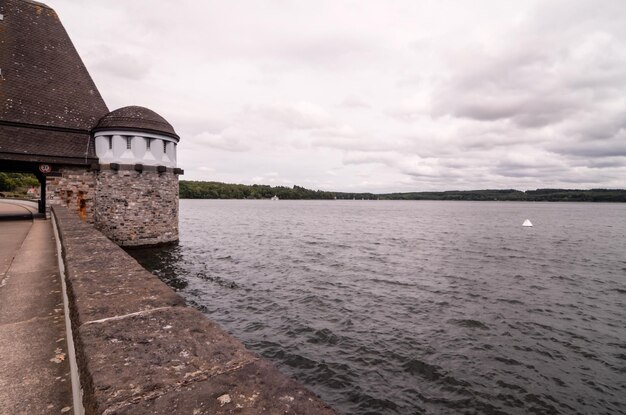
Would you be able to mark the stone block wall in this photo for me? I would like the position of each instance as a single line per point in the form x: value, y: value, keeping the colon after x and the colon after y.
x: 139, y: 350
x: 75, y: 188
x: 135, y: 208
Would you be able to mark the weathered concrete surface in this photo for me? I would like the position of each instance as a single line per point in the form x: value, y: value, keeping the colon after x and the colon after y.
x: 140, y: 351
x: 34, y: 372
x: 12, y: 234
x: 255, y: 388
x: 14, y: 210
x: 102, y: 272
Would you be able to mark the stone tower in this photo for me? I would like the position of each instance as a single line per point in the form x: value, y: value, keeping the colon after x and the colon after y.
x: 136, y: 200
x: 115, y: 169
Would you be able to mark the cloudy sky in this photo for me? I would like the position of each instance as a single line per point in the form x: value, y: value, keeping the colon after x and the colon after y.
x: 373, y: 95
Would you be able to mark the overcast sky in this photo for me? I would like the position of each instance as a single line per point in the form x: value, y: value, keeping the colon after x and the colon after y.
x: 372, y: 95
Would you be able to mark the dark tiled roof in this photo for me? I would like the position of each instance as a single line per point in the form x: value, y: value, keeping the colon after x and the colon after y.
x: 48, y: 101
x: 46, y: 145
x: 44, y: 80
x: 136, y: 118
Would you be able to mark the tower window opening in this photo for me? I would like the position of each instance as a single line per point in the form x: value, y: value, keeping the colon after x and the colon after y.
x: 110, y: 142
x: 128, y: 143
x: 164, y: 147
x: 148, y: 141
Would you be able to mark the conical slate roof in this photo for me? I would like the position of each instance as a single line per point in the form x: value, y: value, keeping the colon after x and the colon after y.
x: 48, y: 101
x: 44, y: 80
x: 135, y: 118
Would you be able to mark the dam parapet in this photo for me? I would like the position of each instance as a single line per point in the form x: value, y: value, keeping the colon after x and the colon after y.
x: 139, y: 349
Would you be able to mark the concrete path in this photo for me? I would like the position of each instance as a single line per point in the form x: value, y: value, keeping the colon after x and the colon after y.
x: 34, y: 370
x: 16, y: 209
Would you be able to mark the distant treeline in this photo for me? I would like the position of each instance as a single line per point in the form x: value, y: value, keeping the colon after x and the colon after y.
x: 17, y: 182
x: 539, y: 195
x: 217, y: 190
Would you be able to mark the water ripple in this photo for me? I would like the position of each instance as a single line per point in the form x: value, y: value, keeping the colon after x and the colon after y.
x: 417, y: 307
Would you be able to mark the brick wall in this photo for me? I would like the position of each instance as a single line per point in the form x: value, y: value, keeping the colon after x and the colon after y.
x: 75, y: 189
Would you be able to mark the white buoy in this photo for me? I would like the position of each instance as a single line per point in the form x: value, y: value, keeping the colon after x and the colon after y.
x: 527, y: 223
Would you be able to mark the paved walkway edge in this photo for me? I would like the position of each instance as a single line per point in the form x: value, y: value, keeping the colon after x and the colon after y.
x: 77, y: 391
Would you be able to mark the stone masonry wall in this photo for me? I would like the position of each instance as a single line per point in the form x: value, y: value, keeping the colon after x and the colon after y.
x: 137, y: 208
x: 75, y: 189
x: 140, y: 351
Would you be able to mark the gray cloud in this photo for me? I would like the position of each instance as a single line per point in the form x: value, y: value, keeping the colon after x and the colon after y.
x: 325, y: 50
x: 300, y: 115
x: 386, y: 96
x: 121, y: 64
x: 353, y: 101
x: 593, y: 149
x: 228, y: 141
x: 606, y: 163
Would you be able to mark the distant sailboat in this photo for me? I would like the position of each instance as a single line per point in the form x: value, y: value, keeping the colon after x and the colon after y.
x: 276, y: 198
x: 527, y: 223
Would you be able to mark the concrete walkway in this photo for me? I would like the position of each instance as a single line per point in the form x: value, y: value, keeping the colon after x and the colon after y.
x: 34, y: 369
x: 16, y: 209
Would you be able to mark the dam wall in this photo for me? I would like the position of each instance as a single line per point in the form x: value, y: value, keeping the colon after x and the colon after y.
x: 140, y: 350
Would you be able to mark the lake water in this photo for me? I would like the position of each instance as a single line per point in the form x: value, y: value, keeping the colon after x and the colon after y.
x: 412, y: 307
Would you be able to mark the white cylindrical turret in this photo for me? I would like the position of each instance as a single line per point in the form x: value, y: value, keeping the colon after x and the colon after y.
x: 135, y: 135
x: 126, y: 147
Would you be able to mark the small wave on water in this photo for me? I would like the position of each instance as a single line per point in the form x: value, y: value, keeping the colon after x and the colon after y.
x: 469, y: 323
x: 417, y: 307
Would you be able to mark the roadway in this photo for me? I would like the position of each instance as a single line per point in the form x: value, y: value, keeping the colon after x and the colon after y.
x: 11, y: 209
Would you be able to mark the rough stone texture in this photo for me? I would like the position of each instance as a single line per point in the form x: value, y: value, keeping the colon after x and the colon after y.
x: 75, y: 189
x: 256, y: 388
x: 117, y: 286
x: 183, y: 363
x: 137, y: 208
x: 140, y: 352
x: 131, y: 208
x: 98, y: 269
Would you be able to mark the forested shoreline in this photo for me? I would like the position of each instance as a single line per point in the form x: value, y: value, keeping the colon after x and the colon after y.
x: 17, y: 184
x: 217, y: 190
